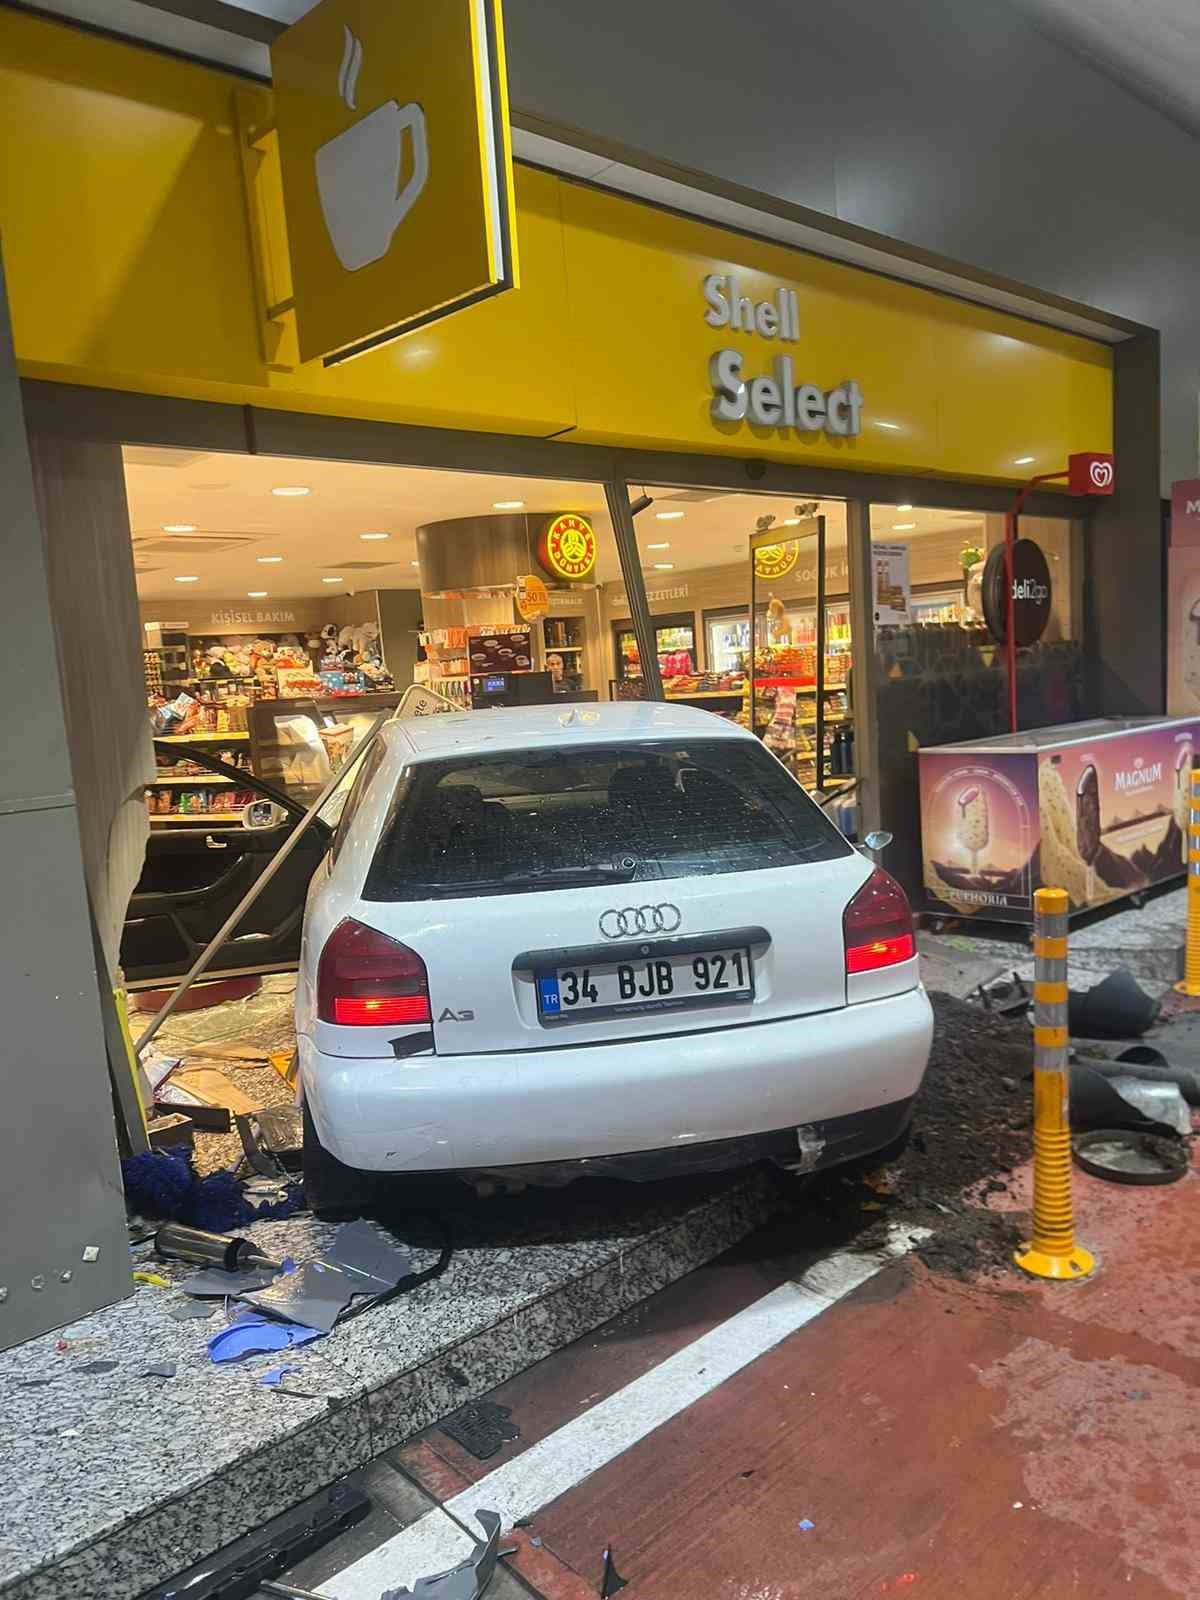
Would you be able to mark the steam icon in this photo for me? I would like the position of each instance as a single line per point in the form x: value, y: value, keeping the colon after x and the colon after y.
x: 358, y: 170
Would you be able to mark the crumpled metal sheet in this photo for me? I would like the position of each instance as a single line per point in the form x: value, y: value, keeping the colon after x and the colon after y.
x: 469, y: 1579
x: 216, y: 1281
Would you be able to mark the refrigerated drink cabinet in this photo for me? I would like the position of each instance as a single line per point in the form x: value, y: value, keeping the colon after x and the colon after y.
x: 1099, y: 809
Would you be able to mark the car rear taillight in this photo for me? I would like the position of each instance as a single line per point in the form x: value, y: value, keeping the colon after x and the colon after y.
x: 365, y: 979
x: 878, y: 926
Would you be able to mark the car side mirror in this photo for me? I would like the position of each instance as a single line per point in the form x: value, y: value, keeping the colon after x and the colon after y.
x: 261, y: 814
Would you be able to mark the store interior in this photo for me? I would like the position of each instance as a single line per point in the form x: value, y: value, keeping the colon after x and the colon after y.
x: 285, y: 601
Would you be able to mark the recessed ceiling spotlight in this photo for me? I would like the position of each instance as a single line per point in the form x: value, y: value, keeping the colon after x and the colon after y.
x: 507, y: 505
x: 893, y: 426
x: 664, y: 566
x: 1024, y: 461
x: 331, y: 580
x: 902, y: 527
x: 268, y: 561
x: 663, y: 544
x: 374, y: 536
x: 903, y: 508
x: 190, y: 578
x: 790, y: 522
x: 179, y: 527
x: 668, y: 516
x: 287, y: 491
x: 256, y: 594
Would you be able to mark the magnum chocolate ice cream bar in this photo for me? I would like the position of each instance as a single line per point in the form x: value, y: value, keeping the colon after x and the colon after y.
x: 971, y: 826
x: 1087, y: 823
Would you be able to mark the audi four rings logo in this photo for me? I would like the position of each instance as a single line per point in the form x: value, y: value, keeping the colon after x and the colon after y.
x: 633, y: 920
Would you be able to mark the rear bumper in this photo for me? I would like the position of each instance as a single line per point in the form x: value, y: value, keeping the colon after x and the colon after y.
x: 665, y: 1094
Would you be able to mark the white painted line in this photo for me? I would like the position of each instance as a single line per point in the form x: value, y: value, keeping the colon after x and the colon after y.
x: 522, y: 1486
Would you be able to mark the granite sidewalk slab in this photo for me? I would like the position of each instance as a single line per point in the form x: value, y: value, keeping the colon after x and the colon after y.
x: 116, y: 1479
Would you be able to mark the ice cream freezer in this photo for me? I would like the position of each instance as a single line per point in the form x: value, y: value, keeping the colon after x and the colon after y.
x: 1096, y: 808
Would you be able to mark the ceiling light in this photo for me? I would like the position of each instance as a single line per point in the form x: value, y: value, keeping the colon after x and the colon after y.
x: 668, y: 516
x: 374, y: 536
x: 903, y: 508
x: 1024, y: 461
x: 414, y: 563
x: 268, y: 561
x: 179, y: 527
x: 507, y: 505
x: 902, y: 527
x: 790, y: 522
x: 331, y: 580
x: 664, y: 544
x: 664, y: 566
x: 256, y: 594
x: 894, y: 426
x: 287, y: 490
x: 192, y: 579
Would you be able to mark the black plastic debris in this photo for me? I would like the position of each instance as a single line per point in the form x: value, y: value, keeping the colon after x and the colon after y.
x: 611, y: 1581
x: 235, y: 1572
x: 1120, y: 1156
x: 481, y: 1428
x: 1117, y: 1008
x: 1102, y: 1100
x: 1006, y: 996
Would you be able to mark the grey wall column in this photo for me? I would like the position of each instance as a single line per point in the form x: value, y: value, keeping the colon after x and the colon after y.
x: 1123, y: 549
x: 616, y: 492
x: 60, y: 1189
x: 871, y: 806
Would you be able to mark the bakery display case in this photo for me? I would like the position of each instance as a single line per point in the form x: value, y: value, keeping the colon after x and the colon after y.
x: 1098, y: 808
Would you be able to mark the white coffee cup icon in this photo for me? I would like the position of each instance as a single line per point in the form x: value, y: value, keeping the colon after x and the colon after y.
x: 358, y: 181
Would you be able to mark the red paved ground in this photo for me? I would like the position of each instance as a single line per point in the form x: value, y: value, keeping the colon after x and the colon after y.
x: 996, y: 1441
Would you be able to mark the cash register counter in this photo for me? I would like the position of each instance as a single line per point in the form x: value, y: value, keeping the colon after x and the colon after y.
x: 1099, y: 809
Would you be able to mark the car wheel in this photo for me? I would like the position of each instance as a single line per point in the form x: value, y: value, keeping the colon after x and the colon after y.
x: 333, y: 1190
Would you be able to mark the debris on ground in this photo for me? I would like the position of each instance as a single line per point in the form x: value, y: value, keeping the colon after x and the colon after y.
x: 1120, y: 1156
x: 972, y: 1127
x: 469, y: 1579
x: 481, y: 1428
x: 1116, y: 1008
x: 611, y: 1581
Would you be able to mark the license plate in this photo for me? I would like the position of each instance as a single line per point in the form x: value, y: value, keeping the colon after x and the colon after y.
x: 649, y: 983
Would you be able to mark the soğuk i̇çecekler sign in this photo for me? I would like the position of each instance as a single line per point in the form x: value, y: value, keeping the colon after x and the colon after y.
x: 775, y: 399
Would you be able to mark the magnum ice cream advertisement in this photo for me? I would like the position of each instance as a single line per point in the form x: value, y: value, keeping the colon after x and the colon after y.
x: 1100, y: 816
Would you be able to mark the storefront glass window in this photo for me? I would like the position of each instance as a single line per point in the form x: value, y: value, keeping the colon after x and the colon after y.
x: 940, y: 674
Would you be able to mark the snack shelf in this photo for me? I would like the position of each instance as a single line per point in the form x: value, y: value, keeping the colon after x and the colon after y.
x: 199, y: 738
x: 186, y: 782
x: 211, y: 819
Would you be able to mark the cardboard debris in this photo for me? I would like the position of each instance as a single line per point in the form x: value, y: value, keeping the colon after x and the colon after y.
x: 212, y: 1088
x: 243, y: 1055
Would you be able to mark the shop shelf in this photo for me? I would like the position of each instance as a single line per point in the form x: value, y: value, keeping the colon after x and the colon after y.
x: 199, y: 738
x: 211, y: 819
x: 167, y: 781
x: 709, y: 694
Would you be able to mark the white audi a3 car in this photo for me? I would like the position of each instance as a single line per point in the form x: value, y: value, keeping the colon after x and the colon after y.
x: 618, y: 939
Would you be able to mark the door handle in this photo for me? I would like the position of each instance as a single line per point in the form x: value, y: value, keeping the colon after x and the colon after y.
x: 214, y: 844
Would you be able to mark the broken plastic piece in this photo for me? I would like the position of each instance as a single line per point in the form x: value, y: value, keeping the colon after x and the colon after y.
x: 251, y: 1334
x: 276, y: 1375
x: 1117, y: 1008
x: 193, y: 1310
x: 805, y: 1525
x: 481, y: 1428
x: 154, y: 1278
x: 611, y: 1581
x: 161, y: 1369
x: 95, y: 1367
x: 358, y: 1249
x: 469, y: 1579
x: 216, y: 1281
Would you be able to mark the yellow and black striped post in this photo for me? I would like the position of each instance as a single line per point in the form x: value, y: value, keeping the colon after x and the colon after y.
x: 1052, y: 1252
x: 1191, y: 955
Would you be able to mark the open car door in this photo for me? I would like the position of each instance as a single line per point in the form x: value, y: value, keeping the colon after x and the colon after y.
x: 193, y: 877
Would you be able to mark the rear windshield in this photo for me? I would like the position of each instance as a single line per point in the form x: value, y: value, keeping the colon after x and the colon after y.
x: 524, y: 821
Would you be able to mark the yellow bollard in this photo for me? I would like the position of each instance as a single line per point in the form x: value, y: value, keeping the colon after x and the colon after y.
x: 1191, y: 959
x: 1052, y: 1252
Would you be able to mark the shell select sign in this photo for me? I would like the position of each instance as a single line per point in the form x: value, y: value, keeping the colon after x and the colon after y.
x: 567, y: 547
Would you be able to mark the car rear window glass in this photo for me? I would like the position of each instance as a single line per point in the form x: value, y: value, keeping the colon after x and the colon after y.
x: 517, y: 822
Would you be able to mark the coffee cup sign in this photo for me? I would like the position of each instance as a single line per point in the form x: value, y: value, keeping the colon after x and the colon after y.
x: 395, y: 165
x: 358, y: 170
x: 1031, y: 588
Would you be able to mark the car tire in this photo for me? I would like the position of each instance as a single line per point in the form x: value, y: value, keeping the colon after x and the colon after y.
x: 332, y: 1190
